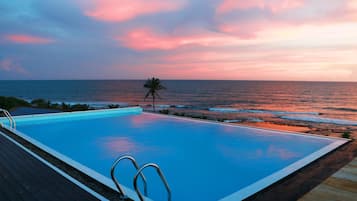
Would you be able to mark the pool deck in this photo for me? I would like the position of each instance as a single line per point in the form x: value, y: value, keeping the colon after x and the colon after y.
x: 340, y: 186
x: 24, y: 177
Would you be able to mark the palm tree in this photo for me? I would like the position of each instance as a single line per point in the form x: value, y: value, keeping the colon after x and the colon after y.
x: 154, y: 85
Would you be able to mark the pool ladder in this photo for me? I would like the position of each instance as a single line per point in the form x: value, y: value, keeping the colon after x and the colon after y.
x: 138, y: 173
x: 9, y: 117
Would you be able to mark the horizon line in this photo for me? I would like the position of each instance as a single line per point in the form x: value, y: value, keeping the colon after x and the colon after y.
x: 179, y: 80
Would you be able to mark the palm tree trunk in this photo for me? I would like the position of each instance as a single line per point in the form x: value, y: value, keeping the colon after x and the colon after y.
x: 153, y: 103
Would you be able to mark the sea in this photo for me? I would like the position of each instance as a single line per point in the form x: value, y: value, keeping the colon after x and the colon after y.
x: 334, y: 102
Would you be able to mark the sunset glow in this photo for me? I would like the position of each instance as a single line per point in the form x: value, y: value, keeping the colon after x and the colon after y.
x: 178, y: 39
x: 123, y: 10
x: 27, y: 39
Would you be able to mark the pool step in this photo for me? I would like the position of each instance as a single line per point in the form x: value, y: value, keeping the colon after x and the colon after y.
x: 138, y: 173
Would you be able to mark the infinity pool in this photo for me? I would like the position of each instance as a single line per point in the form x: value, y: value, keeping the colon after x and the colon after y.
x: 201, y: 160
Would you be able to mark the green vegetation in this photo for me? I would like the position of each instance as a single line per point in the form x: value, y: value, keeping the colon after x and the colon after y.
x: 346, y: 134
x: 164, y: 111
x: 78, y: 107
x: 154, y: 85
x: 179, y: 114
x: 9, y: 103
x: 111, y: 106
x: 12, y: 102
x: 41, y: 103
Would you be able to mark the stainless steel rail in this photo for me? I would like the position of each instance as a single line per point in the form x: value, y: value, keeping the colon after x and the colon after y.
x: 159, y: 172
x: 9, y: 117
x: 135, y: 164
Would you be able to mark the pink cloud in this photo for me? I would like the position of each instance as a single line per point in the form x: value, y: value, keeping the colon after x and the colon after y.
x: 245, y: 30
x: 123, y: 10
x: 257, y: 62
x: 284, y: 14
x: 146, y: 39
x: 349, y: 12
x: 27, y: 39
x: 10, y: 65
x: 274, y: 6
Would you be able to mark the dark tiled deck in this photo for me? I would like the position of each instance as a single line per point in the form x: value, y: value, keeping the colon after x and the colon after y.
x: 23, y: 177
x: 341, y: 186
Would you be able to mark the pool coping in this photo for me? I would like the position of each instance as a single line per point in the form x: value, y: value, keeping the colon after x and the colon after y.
x: 56, y: 169
x: 238, y: 195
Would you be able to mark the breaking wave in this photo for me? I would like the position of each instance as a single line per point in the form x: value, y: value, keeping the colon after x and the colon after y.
x: 233, y: 110
x: 321, y: 120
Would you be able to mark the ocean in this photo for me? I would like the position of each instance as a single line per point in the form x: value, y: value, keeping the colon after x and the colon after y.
x: 304, y: 99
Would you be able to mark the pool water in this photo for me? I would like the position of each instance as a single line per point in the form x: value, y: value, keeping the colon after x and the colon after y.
x: 201, y: 160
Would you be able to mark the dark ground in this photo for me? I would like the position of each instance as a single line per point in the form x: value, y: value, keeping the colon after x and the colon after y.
x: 23, y: 177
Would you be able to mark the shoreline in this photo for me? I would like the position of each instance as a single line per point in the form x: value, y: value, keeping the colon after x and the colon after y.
x: 267, y: 121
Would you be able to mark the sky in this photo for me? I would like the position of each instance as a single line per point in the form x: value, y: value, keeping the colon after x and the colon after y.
x: 307, y: 40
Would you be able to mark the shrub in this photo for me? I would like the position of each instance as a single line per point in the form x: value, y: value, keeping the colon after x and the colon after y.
x: 79, y: 107
x: 12, y: 102
x: 111, y: 106
x: 346, y: 134
x: 164, y: 111
x: 65, y: 107
x: 41, y: 103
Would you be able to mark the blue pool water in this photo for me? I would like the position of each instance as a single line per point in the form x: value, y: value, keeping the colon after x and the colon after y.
x: 201, y: 161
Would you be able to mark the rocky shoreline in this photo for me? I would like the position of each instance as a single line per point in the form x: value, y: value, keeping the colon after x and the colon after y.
x: 269, y: 121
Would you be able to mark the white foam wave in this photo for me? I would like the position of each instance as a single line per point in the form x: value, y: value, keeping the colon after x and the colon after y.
x: 234, y: 110
x: 321, y: 120
x: 232, y: 120
x: 255, y: 120
x: 181, y: 106
x: 163, y: 106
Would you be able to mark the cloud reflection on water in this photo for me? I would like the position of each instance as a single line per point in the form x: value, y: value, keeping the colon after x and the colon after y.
x: 270, y: 152
x: 115, y: 146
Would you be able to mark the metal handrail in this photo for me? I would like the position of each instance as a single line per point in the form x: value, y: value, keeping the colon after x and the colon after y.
x: 9, y: 117
x: 163, y: 179
x: 12, y: 119
x: 135, y: 164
